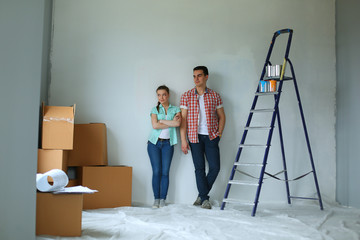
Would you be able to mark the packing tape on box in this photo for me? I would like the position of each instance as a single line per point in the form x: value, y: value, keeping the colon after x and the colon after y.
x: 49, y: 119
x: 59, y: 177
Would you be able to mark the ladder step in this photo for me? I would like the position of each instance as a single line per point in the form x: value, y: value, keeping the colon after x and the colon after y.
x: 232, y: 200
x: 248, y: 164
x: 251, y: 145
x: 265, y: 93
x: 307, y: 198
x: 262, y: 110
x: 248, y: 183
x: 257, y: 128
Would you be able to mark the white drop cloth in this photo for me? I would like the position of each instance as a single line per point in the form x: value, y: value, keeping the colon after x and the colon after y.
x: 280, y: 221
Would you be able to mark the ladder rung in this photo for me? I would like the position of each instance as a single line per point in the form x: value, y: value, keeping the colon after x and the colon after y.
x: 307, y: 198
x: 262, y: 110
x: 248, y: 164
x: 248, y: 183
x: 265, y: 93
x: 257, y: 128
x: 232, y: 200
x: 252, y: 145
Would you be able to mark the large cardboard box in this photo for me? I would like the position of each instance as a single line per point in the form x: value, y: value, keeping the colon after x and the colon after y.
x: 90, y: 145
x: 58, y: 214
x: 51, y: 159
x: 57, y: 127
x: 114, y: 184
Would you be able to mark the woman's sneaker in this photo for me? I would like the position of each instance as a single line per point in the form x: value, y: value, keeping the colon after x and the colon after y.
x: 162, y: 203
x: 156, y: 203
x: 197, y: 202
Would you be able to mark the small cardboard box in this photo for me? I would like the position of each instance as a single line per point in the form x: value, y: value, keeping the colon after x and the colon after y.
x: 58, y: 214
x: 57, y: 127
x: 113, y: 183
x: 51, y: 159
x: 90, y: 145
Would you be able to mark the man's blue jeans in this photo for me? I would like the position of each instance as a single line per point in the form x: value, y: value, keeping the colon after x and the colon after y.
x: 210, y: 149
x: 160, y: 157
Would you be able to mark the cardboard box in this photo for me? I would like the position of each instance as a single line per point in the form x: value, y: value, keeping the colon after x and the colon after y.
x: 113, y: 183
x: 51, y: 159
x: 58, y: 214
x: 90, y: 145
x: 57, y: 127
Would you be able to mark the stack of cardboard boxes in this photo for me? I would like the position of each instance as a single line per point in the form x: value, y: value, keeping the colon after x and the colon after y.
x: 81, y: 151
x: 89, y: 157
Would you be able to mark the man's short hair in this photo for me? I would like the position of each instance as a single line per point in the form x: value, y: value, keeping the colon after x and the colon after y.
x: 205, y: 70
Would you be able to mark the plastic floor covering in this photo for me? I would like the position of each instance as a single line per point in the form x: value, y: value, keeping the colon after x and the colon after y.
x: 180, y: 221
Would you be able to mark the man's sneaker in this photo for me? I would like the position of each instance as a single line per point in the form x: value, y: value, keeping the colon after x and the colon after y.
x: 197, y: 202
x: 206, y: 204
x: 162, y: 203
x: 156, y: 203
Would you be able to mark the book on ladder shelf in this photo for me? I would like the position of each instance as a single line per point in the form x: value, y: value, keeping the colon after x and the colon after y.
x: 270, y: 85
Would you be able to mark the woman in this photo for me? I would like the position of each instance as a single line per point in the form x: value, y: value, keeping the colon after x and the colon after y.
x: 164, y: 119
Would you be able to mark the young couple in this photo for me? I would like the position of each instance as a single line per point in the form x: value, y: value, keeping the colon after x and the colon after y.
x: 202, y: 121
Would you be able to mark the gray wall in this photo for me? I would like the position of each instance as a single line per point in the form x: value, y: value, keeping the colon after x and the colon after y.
x: 347, y: 100
x: 46, y: 65
x: 21, y: 73
x: 109, y: 56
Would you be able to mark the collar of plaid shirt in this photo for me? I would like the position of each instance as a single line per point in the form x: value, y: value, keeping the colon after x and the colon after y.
x: 196, y: 92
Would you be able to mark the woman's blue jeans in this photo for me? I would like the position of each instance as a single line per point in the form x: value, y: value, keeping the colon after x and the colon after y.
x: 210, y: 149
x: 160, y: 157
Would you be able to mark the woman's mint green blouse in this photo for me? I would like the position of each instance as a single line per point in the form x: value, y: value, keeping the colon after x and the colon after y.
x: 171, y: 112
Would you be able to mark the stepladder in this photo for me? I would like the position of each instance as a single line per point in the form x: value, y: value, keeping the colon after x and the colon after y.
x: 274, y: 76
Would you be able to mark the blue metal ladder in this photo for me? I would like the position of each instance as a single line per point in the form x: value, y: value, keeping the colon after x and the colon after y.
x: 275, y: 116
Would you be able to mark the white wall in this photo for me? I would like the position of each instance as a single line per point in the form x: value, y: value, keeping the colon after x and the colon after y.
x: 348, y: 111
x: 109, y: 56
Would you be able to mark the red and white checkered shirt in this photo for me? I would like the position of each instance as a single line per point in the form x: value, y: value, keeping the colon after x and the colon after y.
x: 212, y: 101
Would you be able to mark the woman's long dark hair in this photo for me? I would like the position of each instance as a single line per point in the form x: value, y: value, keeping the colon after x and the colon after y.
x: 162, y: 87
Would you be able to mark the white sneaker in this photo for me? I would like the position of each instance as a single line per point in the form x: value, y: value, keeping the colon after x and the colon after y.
x: 156, y: 203
x: 162, y: 203
x: 206, y: 204
x: 197, y: 202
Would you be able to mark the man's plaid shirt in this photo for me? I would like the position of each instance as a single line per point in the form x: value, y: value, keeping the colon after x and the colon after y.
x: 212, y: 101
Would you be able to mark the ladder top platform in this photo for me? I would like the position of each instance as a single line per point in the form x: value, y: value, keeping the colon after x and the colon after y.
x: 285, y: 78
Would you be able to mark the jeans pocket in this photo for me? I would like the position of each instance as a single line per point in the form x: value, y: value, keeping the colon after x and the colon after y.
x: 216, y: 140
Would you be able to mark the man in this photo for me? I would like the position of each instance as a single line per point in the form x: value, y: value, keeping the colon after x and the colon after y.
x: 203, y: 124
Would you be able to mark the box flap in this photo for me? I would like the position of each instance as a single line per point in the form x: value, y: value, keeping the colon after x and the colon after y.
x: 58, y: 113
